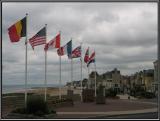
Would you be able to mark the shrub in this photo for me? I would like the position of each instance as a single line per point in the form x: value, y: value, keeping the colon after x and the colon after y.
x: 19, y: 110
x: 110, y: 92
x: 149, y: 95
x: 53, y: 111
x: 145, y: 94
x: 39, y: 113
x: 132, y: 93
x: 36, y: 105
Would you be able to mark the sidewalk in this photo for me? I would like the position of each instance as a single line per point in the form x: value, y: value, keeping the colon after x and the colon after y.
x: 113, y: 112
x: 125, y: 96
x: 97, y: 114
x: 111, y: 108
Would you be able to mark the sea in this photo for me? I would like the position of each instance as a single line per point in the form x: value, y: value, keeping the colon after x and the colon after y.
x: 20, y: 88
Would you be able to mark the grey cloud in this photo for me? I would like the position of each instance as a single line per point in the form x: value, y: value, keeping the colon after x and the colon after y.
x: 124, y: 36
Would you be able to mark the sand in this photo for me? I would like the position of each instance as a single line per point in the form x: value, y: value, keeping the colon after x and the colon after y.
x: 52, y: 91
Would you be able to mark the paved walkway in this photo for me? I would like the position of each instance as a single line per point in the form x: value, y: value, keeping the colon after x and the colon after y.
x: 125, y: 96
x: 97, y: 114
x: 112, y: 107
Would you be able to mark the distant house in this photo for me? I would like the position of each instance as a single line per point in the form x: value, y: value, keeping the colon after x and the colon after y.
x: 126, y: 82
x: 76, y: 84
x: 110, y: 79
x: 107, y: 80
x: 139, y: 78
x: 92, y: 79
x: 143, y: 79
x: 116, y: 76
x: 68, y: 84
x: 148, y: 79
x: 155, y: 83
x: 84, y: 83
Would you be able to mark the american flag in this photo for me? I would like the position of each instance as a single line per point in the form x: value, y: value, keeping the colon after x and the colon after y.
x: 39, y: 38
x: 76, y: 52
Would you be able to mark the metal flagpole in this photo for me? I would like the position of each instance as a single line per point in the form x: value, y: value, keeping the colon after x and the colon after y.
x: 60, y: 70
x: 88, y: 78
x: 88, y: 74
x: 81, y: 73
x: 45, y: 82
x: 26, y: 65
x: 72, y: 73
x: 60, y: 76
x: 158, y: 61
x: 95, y: 77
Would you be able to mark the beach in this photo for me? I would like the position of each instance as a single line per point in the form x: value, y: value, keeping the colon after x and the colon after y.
x: 51, y: 91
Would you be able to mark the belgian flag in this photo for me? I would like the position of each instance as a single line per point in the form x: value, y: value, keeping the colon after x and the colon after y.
x: 17, y: 30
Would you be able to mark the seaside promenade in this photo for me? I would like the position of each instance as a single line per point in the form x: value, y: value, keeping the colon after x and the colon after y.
x: 113, y: 107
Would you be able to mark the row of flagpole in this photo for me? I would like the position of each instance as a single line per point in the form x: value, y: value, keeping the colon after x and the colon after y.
x: 45, y: 81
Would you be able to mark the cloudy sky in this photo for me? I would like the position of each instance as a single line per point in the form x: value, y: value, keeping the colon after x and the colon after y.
x: 124, y: 36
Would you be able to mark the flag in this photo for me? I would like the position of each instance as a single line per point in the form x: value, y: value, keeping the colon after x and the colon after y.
x: 66, y: 49
x: 76, y: 52
x: 91, y: 59
x: 60, y: 51
x: 39, y: 38
x: 17, y: 30
x: 54, y: 43
x: 86, y: 57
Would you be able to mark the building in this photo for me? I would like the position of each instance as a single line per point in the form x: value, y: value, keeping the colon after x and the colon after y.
x: 92, y: 79
x: 84, y: 83
x: 148, y: 79
x: 126, y: 83
x: 116, y: 76
x: 107, y: 80
x: 155, y: 83
x: 139, y: 78
x: 143, y: 79
x: 111, y: 79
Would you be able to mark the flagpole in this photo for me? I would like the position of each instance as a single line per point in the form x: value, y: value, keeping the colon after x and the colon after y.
x: 88, y: 79
x: 81, y: 73
x: 60, y: 77
x: 158, y: 61
x: 45, y: 97
x: 71, y: 73
x: 60, y: 71
x: 26, y: 65
x: 72, y: 86
x: 88, y: 73
x: 95, y: 77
